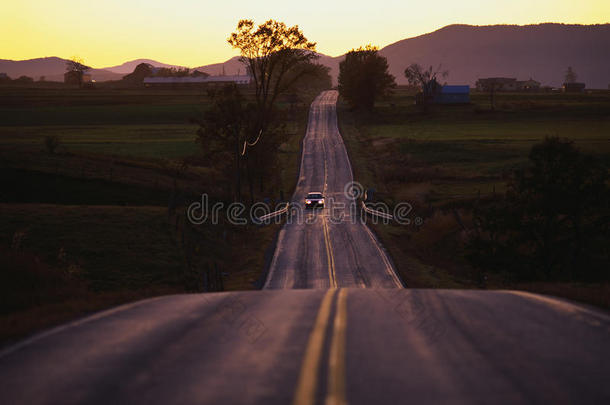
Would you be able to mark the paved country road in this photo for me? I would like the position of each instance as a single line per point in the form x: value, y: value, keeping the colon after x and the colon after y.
x: 321, y: 345
x: 356, y: 346
x: 329, y: 247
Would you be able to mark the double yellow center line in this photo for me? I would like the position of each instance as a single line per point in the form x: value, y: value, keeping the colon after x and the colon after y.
x: 332, y: 279
x: 305, y: 393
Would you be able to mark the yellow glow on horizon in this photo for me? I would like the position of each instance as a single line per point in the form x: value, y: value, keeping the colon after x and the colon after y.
x: 193, y: 33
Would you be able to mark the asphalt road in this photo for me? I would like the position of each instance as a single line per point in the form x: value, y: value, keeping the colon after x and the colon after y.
x: 321, y: 345
x: 328, y: 247
x: 333, y: 346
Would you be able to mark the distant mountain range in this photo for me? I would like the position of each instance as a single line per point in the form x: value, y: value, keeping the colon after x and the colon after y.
x: 52, y: 69
x: 129, y: 67
x: 542, y: 52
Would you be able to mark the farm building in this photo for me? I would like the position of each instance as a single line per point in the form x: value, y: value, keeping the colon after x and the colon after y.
x: 573, y: 87
x: 528, y: 85
x: 507, y: 84
x: 196, y: 81
x: 452, y: 95
x: 499, y: 83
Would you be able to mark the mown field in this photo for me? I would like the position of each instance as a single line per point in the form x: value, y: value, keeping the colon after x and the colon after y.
x: 145, y: 122
x: 445, y: 161
x: 100, y: 221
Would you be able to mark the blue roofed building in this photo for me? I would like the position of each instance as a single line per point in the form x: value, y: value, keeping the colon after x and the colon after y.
x: 453, y: 95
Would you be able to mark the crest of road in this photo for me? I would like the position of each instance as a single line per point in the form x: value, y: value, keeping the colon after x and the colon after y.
x: 333, y: 325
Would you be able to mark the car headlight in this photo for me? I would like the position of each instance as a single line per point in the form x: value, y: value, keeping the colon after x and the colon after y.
x: 322, y: 201
x: 307, y: 201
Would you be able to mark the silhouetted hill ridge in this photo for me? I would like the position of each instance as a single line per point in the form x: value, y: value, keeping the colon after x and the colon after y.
x: 128, y: 67
x: 52, y: 68
x: 540, y: 51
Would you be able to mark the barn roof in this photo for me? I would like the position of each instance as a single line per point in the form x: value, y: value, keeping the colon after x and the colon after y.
x: 199, y: 79
x: 455, y: 90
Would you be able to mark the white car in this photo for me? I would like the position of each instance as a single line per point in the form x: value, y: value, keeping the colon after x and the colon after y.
x: 314, y: 199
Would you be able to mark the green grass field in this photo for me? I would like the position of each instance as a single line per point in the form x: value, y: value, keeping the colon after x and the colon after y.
x: 141, y: 122
x: 469, y: 143
x: 160, y: 141
x: 444, y: 161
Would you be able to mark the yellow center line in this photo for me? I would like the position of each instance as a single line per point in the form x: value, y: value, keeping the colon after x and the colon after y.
x: 306, y: 388
x: 336, y: 363
x: 332, y: 280
x: 329, y: 255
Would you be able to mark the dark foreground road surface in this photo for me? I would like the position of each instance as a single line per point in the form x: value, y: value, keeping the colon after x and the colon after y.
x: 356, y: 346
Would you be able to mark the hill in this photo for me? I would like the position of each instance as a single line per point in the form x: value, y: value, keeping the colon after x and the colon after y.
x: 542, y: 52
x: 128, y: 67
x: 230, y: 67
x: 52, y: 68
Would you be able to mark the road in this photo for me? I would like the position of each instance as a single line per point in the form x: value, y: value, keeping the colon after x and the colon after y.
x: 321, y: 345
x: 329, y: 247
x: 356, y: 346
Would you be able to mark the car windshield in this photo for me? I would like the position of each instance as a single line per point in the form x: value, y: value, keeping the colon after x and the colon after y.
x: 314, y: 195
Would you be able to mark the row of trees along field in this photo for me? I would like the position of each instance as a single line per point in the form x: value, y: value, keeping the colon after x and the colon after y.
x: 241, y: 134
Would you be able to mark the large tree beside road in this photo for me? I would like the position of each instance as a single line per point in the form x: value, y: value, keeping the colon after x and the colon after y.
x: 271, y: 52
x: 364, y: 77
x: 280, y: 61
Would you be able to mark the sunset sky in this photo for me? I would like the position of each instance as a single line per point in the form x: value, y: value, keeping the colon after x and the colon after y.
x: 193, y: 32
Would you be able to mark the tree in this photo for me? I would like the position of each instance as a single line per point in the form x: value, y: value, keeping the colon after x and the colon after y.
x: 270, y: 51
x: 24, y: 80
x: 223, y: 132
x: 571, y: 75
x: 553, y: 222
x: 172, y: 72
x: 78, y: 67
x: 426, y: 80
x: 142, y: 71
x: 364, y: 77
x: 51, y: 142
x: 310, y: 85
x: 308, y: 77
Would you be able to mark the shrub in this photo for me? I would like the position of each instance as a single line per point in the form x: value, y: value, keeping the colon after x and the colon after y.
x: 51, y: 142
x: 553, y: 222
